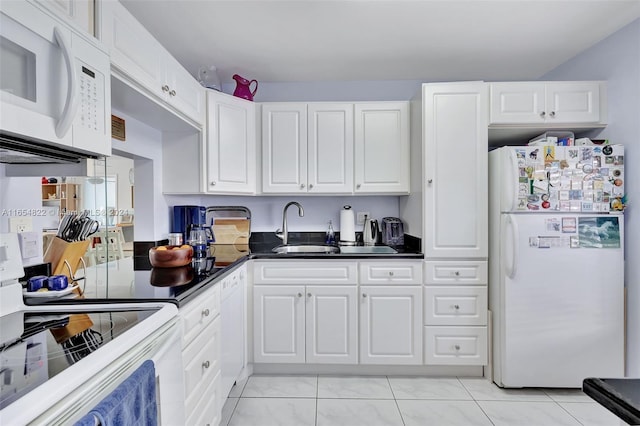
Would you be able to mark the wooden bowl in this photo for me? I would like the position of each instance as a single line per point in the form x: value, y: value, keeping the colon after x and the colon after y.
x: 170, y: 256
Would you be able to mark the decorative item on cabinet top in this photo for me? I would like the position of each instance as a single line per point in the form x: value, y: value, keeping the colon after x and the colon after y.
x: 243, y: 88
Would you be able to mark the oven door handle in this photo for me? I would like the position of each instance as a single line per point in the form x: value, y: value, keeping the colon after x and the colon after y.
x: 71, y: 103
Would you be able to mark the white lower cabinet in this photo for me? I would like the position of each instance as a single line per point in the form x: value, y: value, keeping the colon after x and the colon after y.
x: 455, y: 305
x: 455, y: 312
x: 332, y: 325
x: 278, y: 324
x: 298, y: 324
x: 455, y: 345
x: 201, y: 358
x: 390, y: 325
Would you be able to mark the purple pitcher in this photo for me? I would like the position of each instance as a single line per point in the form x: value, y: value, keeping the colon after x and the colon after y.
x: 243, y: 89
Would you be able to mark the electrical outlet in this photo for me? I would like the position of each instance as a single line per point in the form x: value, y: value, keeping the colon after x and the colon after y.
x: 360, y: 217
x: 20, y: 224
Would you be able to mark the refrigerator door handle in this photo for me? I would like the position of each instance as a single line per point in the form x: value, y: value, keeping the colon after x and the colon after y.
x: 512, y: 190
x: 512, y: 225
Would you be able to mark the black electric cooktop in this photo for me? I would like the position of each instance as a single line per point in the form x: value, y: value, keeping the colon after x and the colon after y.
x: 36, y: 346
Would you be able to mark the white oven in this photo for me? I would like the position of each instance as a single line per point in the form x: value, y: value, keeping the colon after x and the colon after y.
x: 54, y: 82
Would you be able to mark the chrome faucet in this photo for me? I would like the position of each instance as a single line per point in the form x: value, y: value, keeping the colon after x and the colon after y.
x: 283, y: 235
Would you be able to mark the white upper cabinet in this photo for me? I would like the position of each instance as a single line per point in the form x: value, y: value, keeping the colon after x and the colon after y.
x: 335, y: 148
x: 562, y: 102
x: 307, y: 148
x: 231, y: 144
x: 382, y: 147
x: 455, y: 162
x: 284, y: 148
x: 78, y: 12
x: 138, y: 56
x: 330, y: 148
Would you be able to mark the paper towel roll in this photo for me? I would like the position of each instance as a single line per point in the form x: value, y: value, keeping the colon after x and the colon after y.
x: 347, y: 225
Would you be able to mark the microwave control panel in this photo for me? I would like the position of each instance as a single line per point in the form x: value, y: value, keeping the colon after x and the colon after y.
x: 91, y: 103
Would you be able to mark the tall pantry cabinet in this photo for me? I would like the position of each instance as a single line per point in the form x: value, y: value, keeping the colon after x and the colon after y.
x: 448, y: 209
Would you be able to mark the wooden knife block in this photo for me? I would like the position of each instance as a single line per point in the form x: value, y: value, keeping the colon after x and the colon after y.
x: 60, y: 250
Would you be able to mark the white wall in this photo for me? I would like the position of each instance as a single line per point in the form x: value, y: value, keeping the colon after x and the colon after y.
x: 144, y: 145
x: 267, y: 211
x: 617, y: 60
x: 23, y: 194
x: 335, y: 91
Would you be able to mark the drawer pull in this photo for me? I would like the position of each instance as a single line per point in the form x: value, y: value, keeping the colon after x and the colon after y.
x: 457, y: 347
x: 364, y: 294
x: 206, y: 364
x: 309, y: 294
x: 457, y: 273
x: 456, y: 307
x: 390, y: 273
x: 299, y: 294
x: 205, y: 312
x: 165, y: 88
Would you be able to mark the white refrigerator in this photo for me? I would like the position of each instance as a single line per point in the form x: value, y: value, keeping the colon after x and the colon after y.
x: 556, y: 264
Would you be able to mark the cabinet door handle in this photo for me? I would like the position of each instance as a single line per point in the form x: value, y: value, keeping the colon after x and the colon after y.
x: 302, y: 186
x: 552, y: 114
x: 364, y: 294
x: 206, y: 364
x: 309, y: 294
x: 310, y: 186
x: 430, y: 181
x: 205, y: 312
x: 165, y: 88
x: 542, y: 114
x: 358, y: 186
x: 172, y: 93
x: 299, y: 294
x: 213, y: 183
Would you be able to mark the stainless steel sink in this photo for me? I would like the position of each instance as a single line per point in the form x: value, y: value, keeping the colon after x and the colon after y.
x: 367, y: 250
x: 306, y: 248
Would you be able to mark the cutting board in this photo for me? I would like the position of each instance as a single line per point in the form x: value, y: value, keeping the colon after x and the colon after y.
x: 231, y: 231
x: 226, y: 254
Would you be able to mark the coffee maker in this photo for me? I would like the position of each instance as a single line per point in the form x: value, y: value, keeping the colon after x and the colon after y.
x: 187, y: 217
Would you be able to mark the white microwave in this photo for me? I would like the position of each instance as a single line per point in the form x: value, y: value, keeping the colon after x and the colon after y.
x: 55, y: 87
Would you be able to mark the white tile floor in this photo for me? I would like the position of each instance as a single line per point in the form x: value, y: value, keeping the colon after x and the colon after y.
x: 404, y: 401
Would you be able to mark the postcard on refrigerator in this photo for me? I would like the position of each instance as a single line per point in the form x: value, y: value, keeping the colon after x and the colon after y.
x: 553, y: 224
x: 569, y: 225
x: 599, y: 232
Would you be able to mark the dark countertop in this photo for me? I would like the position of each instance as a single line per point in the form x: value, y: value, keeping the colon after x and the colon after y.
x: 620, y: 396
x: 143, y: 283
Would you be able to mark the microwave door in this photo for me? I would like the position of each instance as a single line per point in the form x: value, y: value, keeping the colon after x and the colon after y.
x: 37, y: 76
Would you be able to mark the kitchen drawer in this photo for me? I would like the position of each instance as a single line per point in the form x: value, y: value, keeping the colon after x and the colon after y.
x: 305, y: 272
x: 455, y: 345
x: 455, y: 305
x: 381, y: 272
x: 456, y: 272
x: 208, y: 410
x: 201, y: 363
x: 199, y: 313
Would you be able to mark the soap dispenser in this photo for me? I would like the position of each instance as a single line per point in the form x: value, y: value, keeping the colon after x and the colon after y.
x: 330, y: 237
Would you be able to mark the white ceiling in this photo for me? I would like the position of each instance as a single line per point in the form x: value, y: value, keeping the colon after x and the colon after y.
x: 313, y: 40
